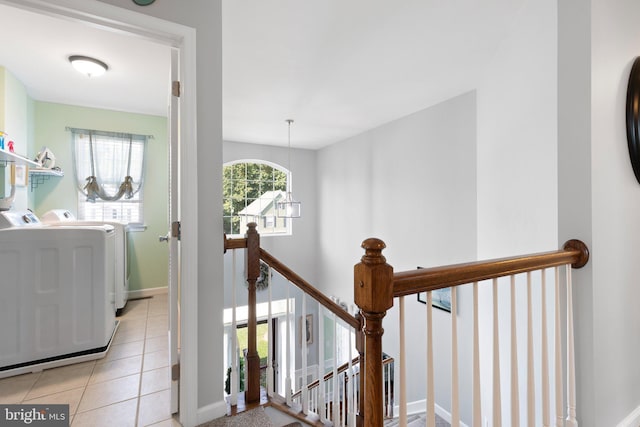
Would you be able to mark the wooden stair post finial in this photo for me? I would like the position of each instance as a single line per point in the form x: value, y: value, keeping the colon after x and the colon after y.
x: 373, y: 292
x: 252, y: 382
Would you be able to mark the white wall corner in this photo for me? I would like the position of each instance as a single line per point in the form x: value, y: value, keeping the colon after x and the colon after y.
x: 211, y: 412
x: 420, y: 406
x: 632, y: 420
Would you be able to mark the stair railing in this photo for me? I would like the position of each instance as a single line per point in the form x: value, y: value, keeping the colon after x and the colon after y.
x: 326, y: 407
x: 376, y: 286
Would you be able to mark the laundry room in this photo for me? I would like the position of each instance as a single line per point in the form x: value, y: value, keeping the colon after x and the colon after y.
x: 49, y: 152
x: 33, y: 125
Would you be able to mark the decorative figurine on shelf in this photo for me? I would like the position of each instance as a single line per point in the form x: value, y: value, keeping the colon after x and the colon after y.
x: 10, y: 146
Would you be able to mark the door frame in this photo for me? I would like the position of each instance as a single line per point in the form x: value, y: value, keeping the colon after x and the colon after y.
x: 182, y: 38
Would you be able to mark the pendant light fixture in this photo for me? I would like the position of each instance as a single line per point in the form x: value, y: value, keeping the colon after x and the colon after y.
x: 289, y: 208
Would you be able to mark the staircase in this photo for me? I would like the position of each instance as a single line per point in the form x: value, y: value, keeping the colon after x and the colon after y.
x: 325, y: 367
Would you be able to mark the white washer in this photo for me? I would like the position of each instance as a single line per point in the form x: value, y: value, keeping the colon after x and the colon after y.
x: 56, y: 217
x: 57, y: 304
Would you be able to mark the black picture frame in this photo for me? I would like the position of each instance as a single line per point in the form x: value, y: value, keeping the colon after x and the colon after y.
x: 633, y: 117
x: 440, y: 298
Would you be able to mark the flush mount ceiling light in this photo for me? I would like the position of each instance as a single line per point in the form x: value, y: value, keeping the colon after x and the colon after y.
x: 289, y: 208
x: 86, y: 65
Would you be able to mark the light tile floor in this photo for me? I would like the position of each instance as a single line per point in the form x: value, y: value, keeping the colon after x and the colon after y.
x: 128, y: 387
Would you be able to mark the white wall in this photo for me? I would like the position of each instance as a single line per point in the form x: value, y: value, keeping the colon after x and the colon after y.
x: 298, y: 250
x: 205, y: 17
x: 412, y: 183
x: 606, y: 200
x: 517, y: 172
x: 575, y: 183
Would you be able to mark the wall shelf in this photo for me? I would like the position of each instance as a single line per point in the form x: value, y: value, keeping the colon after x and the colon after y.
x: 9, y: 157
x: 39, y: 176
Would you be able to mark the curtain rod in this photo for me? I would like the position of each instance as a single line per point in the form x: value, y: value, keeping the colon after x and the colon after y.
x: 106, y: 133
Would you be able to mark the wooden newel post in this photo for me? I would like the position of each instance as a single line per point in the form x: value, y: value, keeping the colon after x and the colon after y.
x: 373, y: 291
x: 252, y: 382
x: 360, y: 348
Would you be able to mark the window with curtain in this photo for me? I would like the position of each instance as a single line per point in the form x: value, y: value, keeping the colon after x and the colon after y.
x: 109, y: 171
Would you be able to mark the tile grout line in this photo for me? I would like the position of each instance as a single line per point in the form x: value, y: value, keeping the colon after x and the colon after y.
x: 144, y: 350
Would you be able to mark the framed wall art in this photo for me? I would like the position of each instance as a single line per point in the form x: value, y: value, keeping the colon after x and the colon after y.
x: 19, y: 175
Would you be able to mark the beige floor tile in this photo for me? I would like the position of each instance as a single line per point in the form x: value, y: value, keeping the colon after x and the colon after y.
x: 156, y: 380
x: 155, y: 344
x: 14, y: 389
x: 157, y: 330
x: 122, y: 351
x: 155, y: 360
x: 122, y: 414
x: 129, y: 336
x: 109, y: 392
x: 131, y: 325
x: 154, y: 407
x: 61, y: 379
x: 158, y: 309
x: 69, y: 397
x: 135, y: 309
x: 116, y: 369
x: 158, y: 319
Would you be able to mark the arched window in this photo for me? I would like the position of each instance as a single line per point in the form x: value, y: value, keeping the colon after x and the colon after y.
x: 251, y: 189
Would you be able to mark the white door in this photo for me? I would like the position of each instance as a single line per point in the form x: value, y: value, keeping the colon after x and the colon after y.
x: 174, y: 232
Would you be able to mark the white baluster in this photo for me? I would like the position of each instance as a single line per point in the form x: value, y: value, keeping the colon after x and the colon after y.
x: 531, y: 398
x: 558, y: 353
x: 289, y: 348
x: 336, y: 389
x: 545, y: 353
x: 403, y: 367
x: 270, y: 384
x: 303, y: 339
x: 497, y: 396
x: 571, y: 369
x: 455, y: 385
x: 234, y: 336
x: 515, y: 393
x: 431, y: 408
x: 321, y: 385
x: 477, y: 405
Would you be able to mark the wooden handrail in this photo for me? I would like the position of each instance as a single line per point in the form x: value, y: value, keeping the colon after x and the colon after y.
x: 575, y: 253
x: 239, y: 243
x: 341, y: 369
x: 294, y: 278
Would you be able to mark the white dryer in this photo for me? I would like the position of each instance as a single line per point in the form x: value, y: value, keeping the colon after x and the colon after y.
x: 57, y: 304
x: 56, y: 217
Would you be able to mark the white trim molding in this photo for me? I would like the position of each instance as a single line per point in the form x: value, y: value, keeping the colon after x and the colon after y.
x: 631, y: 420
x: 211, y: 412
x: 147, y: 292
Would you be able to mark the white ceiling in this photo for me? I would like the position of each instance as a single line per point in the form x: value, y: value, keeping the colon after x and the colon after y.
x: 338, y: 68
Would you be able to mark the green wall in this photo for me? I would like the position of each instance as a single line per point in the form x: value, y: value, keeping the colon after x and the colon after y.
x: 148, y: 257
x: 16, y: 119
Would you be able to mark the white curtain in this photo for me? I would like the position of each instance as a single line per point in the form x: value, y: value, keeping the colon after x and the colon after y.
x: 108, y: 165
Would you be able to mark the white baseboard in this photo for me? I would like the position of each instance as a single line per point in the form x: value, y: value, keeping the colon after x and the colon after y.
x: 420, y: 406
x: 632, y: 420
x: 211, y: 412
x: 146, y: 293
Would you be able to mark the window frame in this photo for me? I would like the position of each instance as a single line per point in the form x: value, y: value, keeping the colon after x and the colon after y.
x: 82, y: 205
x: 262, y: 220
